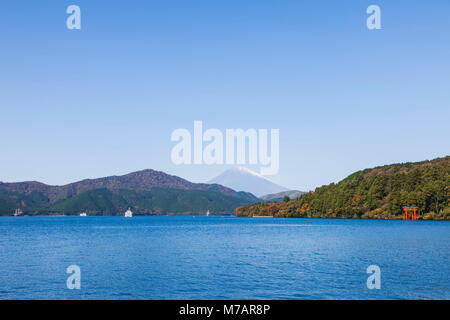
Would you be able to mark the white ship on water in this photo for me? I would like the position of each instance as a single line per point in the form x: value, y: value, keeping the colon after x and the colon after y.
x: 128, y: 213
x: 18, y: 212
x: 83, y: 214
x: 207, y: 213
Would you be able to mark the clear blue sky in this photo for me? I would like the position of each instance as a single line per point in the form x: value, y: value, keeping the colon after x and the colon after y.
x: 104, y: 100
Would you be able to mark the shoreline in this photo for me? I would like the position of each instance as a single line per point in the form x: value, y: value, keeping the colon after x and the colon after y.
x: 274, y: 217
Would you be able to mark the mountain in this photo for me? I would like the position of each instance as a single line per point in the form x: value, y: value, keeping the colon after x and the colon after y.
x: 278, y: 197
x: 146, y: 192
x: 243, y: 179
x: 377, y: 193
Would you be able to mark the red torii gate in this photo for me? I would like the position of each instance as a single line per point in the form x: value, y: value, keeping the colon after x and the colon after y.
x: 408, y: 215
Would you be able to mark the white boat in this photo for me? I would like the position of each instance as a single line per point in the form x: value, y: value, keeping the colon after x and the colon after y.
x: 18, y: 212
x: 207, y: 213
x: 128, y: 213
x: 83, y: 214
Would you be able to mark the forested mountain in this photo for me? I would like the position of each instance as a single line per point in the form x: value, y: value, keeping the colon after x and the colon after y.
x: 146, y: 192
x: 377, y: 193
x: 280, y: 196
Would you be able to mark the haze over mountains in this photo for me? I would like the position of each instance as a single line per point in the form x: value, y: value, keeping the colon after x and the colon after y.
x: 243, y: 179
x: 146, y: 192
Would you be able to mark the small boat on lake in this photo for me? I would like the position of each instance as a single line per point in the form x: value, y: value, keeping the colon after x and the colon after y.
x: 83, y: 214
x: 128, y: 213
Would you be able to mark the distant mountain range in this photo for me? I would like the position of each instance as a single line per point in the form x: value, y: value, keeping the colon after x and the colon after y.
x: 292, y: 194
x: 146, y: 192
x: 243, y: 179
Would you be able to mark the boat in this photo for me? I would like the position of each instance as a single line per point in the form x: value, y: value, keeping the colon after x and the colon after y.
x: 207, y: 213
x: 128, y: 213
x: 18, y: 212
x: 83, y: 214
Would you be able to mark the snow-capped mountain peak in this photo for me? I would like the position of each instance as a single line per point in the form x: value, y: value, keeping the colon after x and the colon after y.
x: 248, y: 171
x: 244, y: 179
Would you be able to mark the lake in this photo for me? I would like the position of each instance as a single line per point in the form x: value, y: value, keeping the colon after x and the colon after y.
x: 222, y: 258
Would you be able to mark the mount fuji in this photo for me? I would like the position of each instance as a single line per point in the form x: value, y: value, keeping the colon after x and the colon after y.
x: 243, y: 179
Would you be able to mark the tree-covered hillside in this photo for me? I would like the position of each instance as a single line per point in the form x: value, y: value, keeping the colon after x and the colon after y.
x: 377, y: 193
x: 107, y: 202
x: 145, y: 192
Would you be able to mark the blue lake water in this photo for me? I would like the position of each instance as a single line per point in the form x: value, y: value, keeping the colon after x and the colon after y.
x: 222, y: 258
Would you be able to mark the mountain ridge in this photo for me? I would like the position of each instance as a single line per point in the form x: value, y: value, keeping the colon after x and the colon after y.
x: 138, y: 180
x: 40, y: 198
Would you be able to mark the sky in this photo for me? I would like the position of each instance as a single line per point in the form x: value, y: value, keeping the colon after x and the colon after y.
x: 104, y: 100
